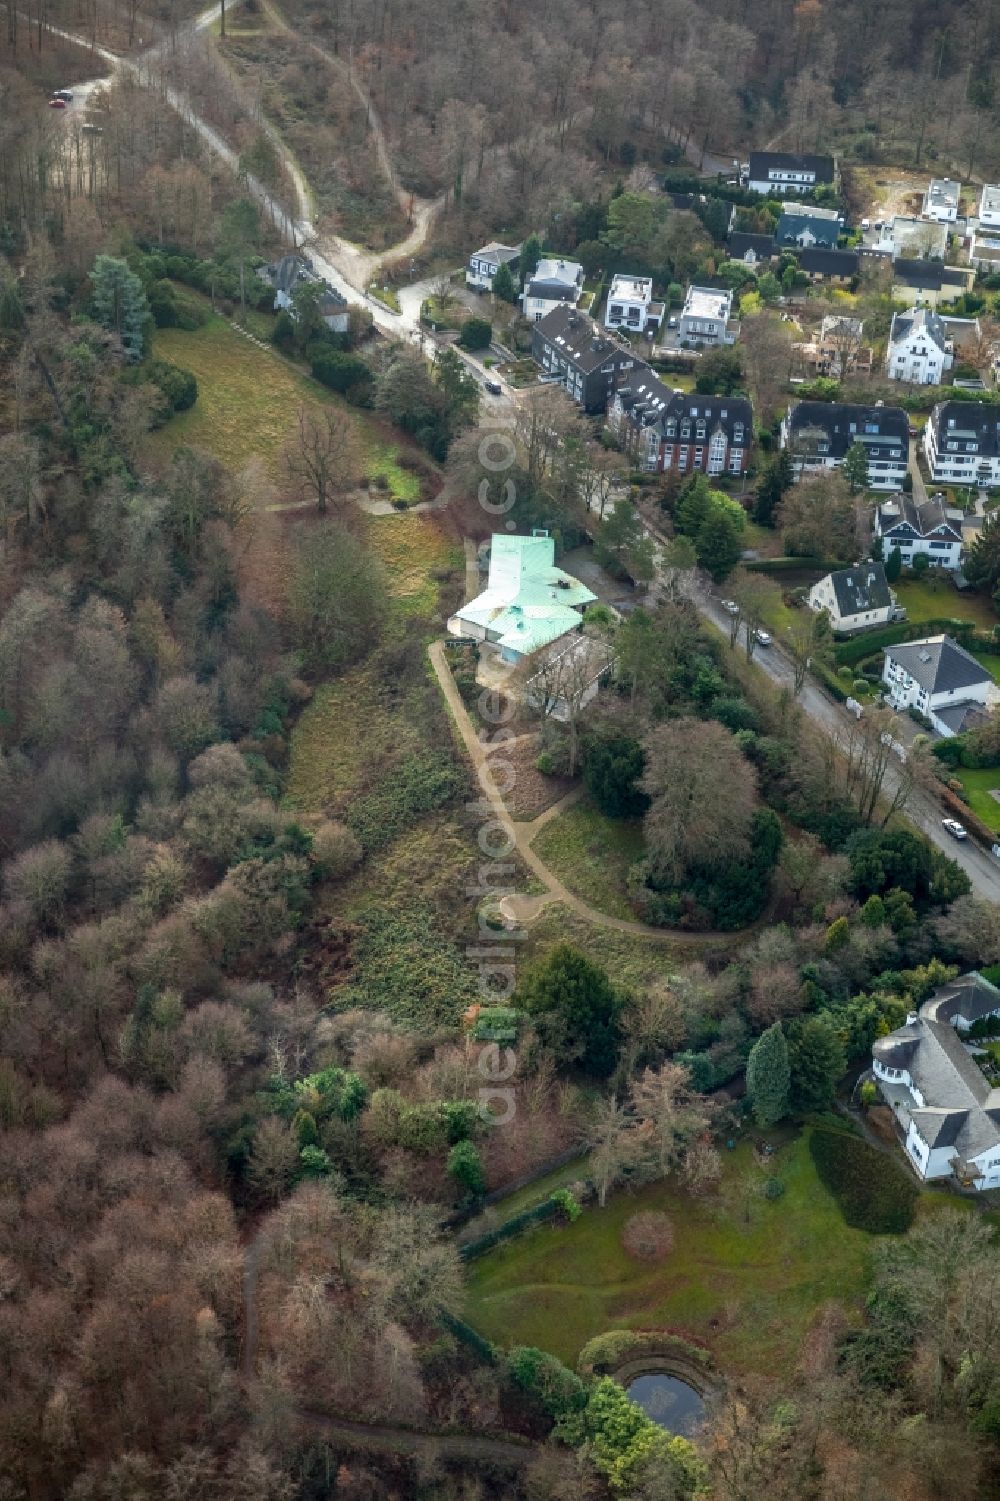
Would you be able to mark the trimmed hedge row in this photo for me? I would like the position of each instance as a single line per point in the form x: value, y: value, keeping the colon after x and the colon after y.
x: 787, y: 565
x: 849, y: 653
x: 468, y: 1336
x: 606, y: 1352
x: 871, y: 1191
x: 537, y: 1215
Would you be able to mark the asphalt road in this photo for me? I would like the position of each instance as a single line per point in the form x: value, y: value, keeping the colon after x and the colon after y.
x: 979, y: 865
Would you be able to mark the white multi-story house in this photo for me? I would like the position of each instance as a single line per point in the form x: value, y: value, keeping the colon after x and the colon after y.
x: 930, y: 526
x: 940, y: 679
x: 706, y: 317
x: 631, y: 305
x: 552, y: 284
x: 946, y: 1111
x: 818, y: 434
x: 941, y: 200
x: 789, y: 172
x: 962, y: 444
x: 989, y: 206
x: 919, y: 348
x: 484, y: 264
x: 854, y: 598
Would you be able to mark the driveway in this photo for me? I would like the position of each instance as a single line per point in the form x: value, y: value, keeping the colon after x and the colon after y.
x: 919, y: 488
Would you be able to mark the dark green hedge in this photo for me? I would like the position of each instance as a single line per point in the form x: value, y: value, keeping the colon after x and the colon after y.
x: 787, y: 565
x: 848, y: 653
x: 547, y: 1210
x: 872, y: 1192
x: 468, y: 1336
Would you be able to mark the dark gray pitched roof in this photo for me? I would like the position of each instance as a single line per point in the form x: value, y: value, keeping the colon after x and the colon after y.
x: 939, y: 1128
x: 970, y: 996
x: 979, y: 420
x: 820, y: 262
x: 864, y: 587
x: 578, y: 339
x: 918, y: 320
x: 790, y: 226
x: 552, y: 291
x: 927, y: 275
x: 740, y: 243
x: 762, y: 162
x: 649, y: 402
x: 939, y: 664
x: 844, y: 424
x: 928, y: 518
x: 960, y: 718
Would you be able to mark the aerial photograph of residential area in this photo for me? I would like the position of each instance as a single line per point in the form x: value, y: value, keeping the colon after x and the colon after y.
x: 499, y: 750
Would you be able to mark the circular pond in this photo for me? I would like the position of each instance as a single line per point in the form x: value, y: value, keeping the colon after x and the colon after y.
x: 669, y: 1401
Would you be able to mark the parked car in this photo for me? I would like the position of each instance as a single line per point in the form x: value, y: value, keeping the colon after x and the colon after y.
x: 57, y: 104
x: 494, y: 387
x: 995, y: 851
x: 954, y: 828
x: 730, y: 606
x: 671, y: 322
x: 63, y: 94
x: 762, y: 638
x: 914, y: 431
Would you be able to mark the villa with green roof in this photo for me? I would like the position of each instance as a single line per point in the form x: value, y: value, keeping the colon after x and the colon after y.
x: 528, y: 602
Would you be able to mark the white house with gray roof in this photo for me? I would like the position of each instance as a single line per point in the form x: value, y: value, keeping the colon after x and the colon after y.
x: 946, y: 1110
x: 939, y: 679
x: 552, y: 284
x: 919, y: 348
x: 930, y: 526
x: 856, y: 599
x: 484, y: 264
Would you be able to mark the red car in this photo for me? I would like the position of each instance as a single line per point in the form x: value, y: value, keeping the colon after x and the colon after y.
x: 57, y: 104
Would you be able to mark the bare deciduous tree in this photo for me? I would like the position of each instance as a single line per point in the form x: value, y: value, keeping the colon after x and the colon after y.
x: 323, y: 455
x: 703, y: 793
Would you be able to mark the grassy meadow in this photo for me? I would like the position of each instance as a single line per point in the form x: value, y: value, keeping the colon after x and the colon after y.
x: 747, y: 1277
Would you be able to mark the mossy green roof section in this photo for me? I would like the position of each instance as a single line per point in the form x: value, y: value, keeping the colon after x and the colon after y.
x: 528, y: 601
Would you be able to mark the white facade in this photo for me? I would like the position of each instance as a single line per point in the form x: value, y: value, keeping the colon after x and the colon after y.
x: 705, y: 317
x: 918, y: 351
x: 941, y: 200
x: 908, y: 687
x: 484, y: 264
x: 631, y: 306
x: 931, y: 528
x: 554, y: 284
x: 946, y: 1110
x: 823, y: 596
x: 989, y: 206
x: 957, y: 454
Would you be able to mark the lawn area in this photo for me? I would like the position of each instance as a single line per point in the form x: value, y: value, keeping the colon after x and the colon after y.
x: 348, y: 728
x: 414, y: 547
x: 929, y: 599
x: 749, y: 1290
x: 977, y: 785
x: 388, y: 295
x: 991, y: 662
x: 592, y: 855
x: 632, y: 961
x: 247, y: 403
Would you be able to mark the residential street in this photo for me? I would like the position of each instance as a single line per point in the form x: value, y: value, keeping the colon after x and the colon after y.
x: 980, y: 866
